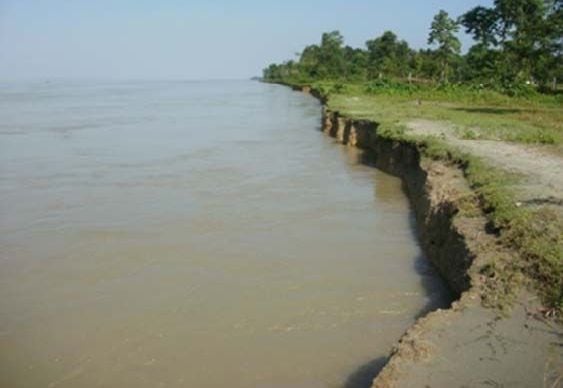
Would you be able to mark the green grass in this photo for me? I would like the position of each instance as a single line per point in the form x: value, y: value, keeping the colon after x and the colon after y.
x: 477, y: 114
x: 534, y: 235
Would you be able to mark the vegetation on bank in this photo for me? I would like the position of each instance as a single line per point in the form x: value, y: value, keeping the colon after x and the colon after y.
x: 476, y: 114
x: 518, y: 50
x: 503, y: 89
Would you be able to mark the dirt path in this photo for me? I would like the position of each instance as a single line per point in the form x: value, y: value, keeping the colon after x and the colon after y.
x: 541, y: 171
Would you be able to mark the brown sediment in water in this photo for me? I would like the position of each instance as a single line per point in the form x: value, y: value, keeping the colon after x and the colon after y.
x: 231, y: 245
x: 468, y: 344
x: 432, y: 187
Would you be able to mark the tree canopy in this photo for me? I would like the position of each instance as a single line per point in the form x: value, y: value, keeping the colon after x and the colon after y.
x: 443, y: 34
x: 516, y: 42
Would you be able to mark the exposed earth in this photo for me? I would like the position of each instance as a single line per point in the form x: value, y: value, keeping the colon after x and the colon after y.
x: 540, y: 171
x: 498, y: 333
x: 470, y: 345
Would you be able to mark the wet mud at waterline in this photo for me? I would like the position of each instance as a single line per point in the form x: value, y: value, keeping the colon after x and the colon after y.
x: 196, y: 234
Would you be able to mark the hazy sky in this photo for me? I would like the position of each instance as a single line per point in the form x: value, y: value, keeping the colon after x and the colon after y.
x: 191, y: 39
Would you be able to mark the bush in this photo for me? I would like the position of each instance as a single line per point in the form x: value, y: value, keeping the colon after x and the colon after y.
x: 389, y: 86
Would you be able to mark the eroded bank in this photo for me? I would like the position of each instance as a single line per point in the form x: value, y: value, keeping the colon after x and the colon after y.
x: 468, y: 344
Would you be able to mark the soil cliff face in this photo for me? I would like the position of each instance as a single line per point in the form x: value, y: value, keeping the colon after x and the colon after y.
x: 467, y: 345
x: 433, y: 197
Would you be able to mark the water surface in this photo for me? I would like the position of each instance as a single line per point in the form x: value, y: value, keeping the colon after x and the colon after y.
x: 195, y: 234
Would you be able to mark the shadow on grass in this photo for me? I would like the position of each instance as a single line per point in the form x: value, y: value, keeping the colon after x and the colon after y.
x: 496, y: 111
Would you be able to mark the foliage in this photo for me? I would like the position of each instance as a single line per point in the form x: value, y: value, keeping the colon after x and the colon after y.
x: 520, y: 40
x: 518, y: 50
x: 442, y: 33
x: 388, y: 55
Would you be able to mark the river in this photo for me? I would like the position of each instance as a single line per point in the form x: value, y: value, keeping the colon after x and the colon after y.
x: 195, y: 234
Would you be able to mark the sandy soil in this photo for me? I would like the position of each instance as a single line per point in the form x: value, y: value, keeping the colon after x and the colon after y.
x: 474, y: 347
x: 541, y: 171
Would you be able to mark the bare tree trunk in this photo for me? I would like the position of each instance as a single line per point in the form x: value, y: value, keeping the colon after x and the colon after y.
x: 445, y: 72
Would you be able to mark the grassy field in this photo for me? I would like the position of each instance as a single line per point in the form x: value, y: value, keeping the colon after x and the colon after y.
x: 477, y: 114
x: 535, y: 234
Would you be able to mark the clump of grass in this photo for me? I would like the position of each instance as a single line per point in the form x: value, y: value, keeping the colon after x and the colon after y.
x: 469, y: 134
x: 502, y: 279
x: 469, y: 206
x: 392, y: 131
x: 536, y: 235
x: 437, y: 149
x: 539, y: 136
x: 389, y: 87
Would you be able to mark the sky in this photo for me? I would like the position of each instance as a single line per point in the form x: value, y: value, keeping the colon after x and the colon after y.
x: 192, y: 39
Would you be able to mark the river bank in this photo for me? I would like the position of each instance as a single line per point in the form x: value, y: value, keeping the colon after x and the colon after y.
x: 497, y: 332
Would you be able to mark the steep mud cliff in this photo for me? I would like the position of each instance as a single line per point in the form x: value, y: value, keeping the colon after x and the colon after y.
x: 468, y: 344
x: 432, y: 187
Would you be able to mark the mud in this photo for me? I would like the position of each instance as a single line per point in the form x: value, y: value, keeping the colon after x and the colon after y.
x: 466, y: 345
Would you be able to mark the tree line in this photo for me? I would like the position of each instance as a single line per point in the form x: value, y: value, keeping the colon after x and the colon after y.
x: 517, y: 42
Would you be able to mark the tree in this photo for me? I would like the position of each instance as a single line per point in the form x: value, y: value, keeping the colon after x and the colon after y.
x: 356, y: 63
x: 309, y: 61
x: 271, y: 73
x: 517, y: 41
x: 482, y: 23
x: 426, y: 64
x: 483, y: 62
x: 442, y: 33
x: 324, y: 61
x: 388, y: 55
x: 331, y: 55
x: 550, y: 66
x: 527, y: 35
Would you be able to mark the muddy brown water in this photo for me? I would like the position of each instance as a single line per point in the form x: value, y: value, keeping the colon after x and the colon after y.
x: 195, y: 234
